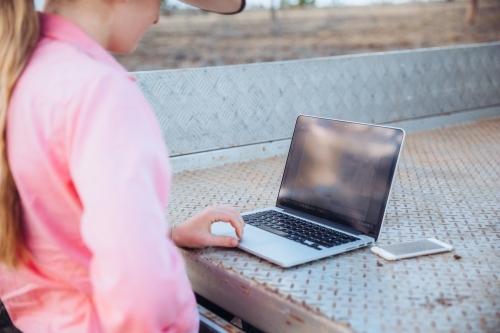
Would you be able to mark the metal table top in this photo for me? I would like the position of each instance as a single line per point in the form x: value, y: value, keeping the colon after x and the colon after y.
x: 447, y: 187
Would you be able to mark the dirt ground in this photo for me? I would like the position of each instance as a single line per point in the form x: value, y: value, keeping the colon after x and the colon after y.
x: 193, y: 39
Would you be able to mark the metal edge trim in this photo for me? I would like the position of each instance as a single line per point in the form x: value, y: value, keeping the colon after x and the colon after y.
x: 254, y: 302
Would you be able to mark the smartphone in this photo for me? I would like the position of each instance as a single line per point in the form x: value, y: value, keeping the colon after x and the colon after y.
x: 411, y: 249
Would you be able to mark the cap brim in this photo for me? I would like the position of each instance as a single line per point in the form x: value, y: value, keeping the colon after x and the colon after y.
x: 227, y: 7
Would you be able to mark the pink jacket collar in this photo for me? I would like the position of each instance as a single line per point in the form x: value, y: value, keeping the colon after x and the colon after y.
x: 58, y: 28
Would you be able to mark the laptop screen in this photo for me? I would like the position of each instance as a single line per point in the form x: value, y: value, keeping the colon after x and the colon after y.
x: 341, y: 171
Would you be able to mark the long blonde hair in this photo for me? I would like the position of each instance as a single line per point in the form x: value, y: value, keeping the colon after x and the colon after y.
x: 19, y: 32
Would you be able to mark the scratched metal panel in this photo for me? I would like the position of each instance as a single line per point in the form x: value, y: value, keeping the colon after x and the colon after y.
x: 447, y: 187
x: 210, y: 108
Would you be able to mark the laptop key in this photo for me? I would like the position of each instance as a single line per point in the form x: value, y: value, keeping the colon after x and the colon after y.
x: 274, y: 231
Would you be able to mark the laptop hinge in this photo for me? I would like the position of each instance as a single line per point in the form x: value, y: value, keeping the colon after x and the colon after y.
x: 320, y: 221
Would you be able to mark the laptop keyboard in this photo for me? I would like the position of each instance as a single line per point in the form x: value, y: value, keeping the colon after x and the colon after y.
x: 298, y: 230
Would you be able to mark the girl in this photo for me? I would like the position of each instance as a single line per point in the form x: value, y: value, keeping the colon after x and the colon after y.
x: 85, y: 178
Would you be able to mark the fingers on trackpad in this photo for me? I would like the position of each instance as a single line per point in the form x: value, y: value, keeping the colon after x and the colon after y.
x: 223, y: 228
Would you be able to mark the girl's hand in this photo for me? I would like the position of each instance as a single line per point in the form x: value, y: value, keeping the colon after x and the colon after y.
x: 196, y: 231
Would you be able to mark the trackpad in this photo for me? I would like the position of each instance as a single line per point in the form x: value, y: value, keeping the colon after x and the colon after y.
x: 255, y: 237
x: 252, y: 236
x: 287, y: 251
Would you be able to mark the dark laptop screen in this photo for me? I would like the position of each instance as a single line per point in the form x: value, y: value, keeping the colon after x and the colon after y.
x: 341, y: 171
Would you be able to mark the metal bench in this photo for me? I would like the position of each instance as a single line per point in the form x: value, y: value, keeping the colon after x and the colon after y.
x: 223, y: 125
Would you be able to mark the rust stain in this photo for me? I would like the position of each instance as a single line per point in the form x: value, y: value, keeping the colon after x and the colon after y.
x: 246, y: 290
x: 456, y: 256
x: 379, y: 264
x: 288, y: 323
x: 443, y: 301
x: 484, y: 323
x: 461, y: 298
x: 230, y: 328
x: 300, y: 320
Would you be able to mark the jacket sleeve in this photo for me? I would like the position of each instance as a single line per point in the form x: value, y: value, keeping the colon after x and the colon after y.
x: 119, y: 166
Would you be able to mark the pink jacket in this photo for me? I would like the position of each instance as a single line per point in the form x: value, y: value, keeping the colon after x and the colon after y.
x: 92, y: 170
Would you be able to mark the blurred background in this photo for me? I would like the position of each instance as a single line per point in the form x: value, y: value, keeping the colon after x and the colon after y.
x: 276, y: 30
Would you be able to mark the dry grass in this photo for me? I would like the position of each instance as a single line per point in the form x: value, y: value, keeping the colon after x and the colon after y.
x: 188, y: 40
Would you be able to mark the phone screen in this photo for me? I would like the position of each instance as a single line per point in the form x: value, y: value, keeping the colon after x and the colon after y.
x: 411, y: 247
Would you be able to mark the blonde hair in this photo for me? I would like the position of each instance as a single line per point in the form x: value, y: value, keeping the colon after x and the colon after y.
x: 19, y: 32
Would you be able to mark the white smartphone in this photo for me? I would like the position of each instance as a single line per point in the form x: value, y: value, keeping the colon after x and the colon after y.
x: 411, y: 249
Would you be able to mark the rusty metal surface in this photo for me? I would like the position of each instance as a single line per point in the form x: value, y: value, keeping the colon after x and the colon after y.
x: 203, y: 109
x: 218, y: 321
x: 447, y: 187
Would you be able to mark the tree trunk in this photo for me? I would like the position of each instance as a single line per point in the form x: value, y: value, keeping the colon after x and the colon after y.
x: 471, y: 11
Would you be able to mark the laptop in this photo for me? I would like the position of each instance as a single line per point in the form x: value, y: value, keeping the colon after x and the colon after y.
x: 333, y: 194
